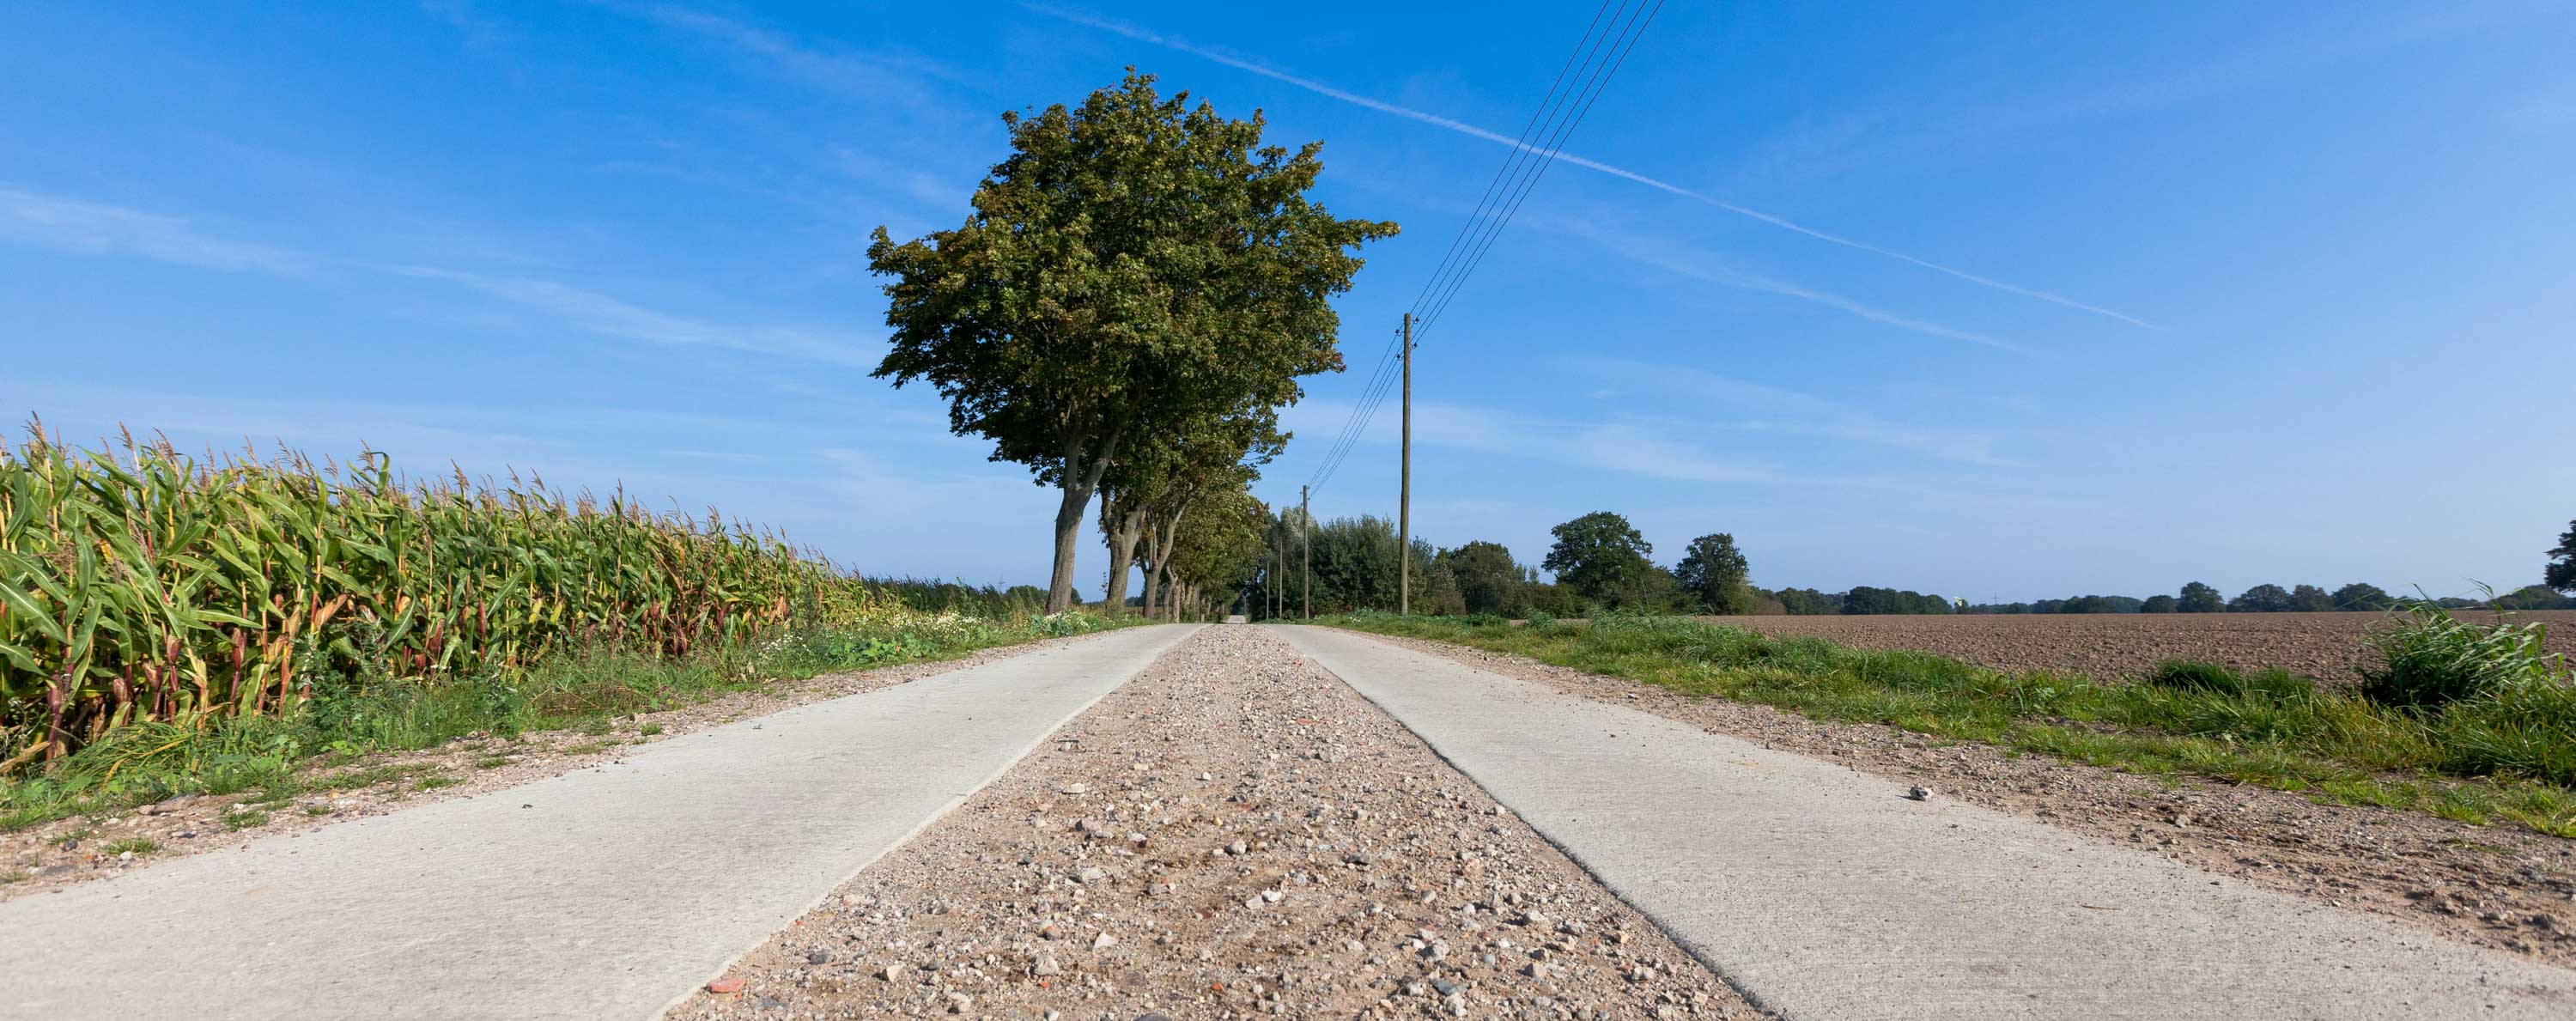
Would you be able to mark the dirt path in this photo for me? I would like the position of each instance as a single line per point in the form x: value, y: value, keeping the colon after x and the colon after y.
x: 1234, y: 833
x: 1825, y: 892
x: 605, y: 892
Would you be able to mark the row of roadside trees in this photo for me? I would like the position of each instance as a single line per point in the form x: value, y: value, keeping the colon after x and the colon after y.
x: 1139, y: 287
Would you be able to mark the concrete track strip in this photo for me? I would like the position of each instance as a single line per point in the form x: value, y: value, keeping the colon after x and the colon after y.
x: 1822, y: 893
x: 604, y: 893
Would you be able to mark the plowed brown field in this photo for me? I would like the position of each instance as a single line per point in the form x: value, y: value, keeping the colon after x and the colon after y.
x: 2326, y: 646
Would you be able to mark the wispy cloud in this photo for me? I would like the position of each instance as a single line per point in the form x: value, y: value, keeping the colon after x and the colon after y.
x: 844, y: 71
x: 1952, y: 109
x: 928, y: 190
x: 481, y: 31
x: 1626, y: 445
x: 92, y: 229
x: 1472, y: 131
x: 1789, y: 412
x: 614, y: 317
x: 1703, y: 266
x: 2551, y: 111
x: 88, y: 228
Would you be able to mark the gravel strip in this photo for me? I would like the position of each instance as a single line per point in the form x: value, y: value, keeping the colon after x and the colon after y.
x: 2500, y: 886
x: 80, y: 849
x: 1233, y: 833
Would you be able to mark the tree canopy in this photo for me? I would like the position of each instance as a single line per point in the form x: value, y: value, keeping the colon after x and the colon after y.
x: 2198, y: 597
x: 1715, y: 572
x: 1136, y: 263
x: 1485, y: 575
x: 1601, y: 557
x: 2262, y: 599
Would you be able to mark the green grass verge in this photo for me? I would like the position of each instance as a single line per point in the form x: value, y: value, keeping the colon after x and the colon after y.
x: 2511, y: 758
x: 282, y: 758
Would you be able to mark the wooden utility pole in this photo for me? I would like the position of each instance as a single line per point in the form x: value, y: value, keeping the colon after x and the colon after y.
x: 1306, y: 545
x: 1404, y: 492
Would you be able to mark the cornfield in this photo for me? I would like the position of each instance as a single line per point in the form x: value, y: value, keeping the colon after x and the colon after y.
x: 152, y: 586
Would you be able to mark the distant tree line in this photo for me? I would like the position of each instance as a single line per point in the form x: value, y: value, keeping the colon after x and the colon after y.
x: 2199, y: 597
x: 1600, y: 562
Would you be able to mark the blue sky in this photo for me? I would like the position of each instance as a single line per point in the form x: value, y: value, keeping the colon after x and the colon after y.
x: 1991, y: 300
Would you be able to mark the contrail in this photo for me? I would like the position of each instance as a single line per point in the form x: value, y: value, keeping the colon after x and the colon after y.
x: 1473, y: 131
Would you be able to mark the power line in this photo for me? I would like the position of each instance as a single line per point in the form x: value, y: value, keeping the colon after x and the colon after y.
x: 1538, y: 168
x: 1352, y: 427
x: 1592, y: 63
x: 1520, y: 149
x: 1381, y: 380
x: 1374, y: 394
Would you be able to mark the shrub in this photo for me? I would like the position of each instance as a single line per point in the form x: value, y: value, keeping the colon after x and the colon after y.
x: 2430, y: 659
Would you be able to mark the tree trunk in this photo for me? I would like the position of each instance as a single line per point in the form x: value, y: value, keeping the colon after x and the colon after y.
x: 1068, y: 527
x: 1153, y: 578
x: 1158, y: 539
x: 1121, y: 528
x: 1150, y: 586
x: 1081, y: 479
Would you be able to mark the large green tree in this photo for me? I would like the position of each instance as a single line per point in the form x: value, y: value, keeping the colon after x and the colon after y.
x: 1714, y: 572
x: 1602, y: 558
x: 1486, y: 576
x: 2262, y: 599
x: 2198, y: 597
x: 1136, y: 263
x: 2362, y: 596
x: 1355, y: 562
x: 2560, y: 572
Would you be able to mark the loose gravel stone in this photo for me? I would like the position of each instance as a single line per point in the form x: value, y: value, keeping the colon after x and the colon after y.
x: 1370, y: 882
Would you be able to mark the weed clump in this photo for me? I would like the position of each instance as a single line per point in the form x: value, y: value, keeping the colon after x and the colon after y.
x: 2432, y: 659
